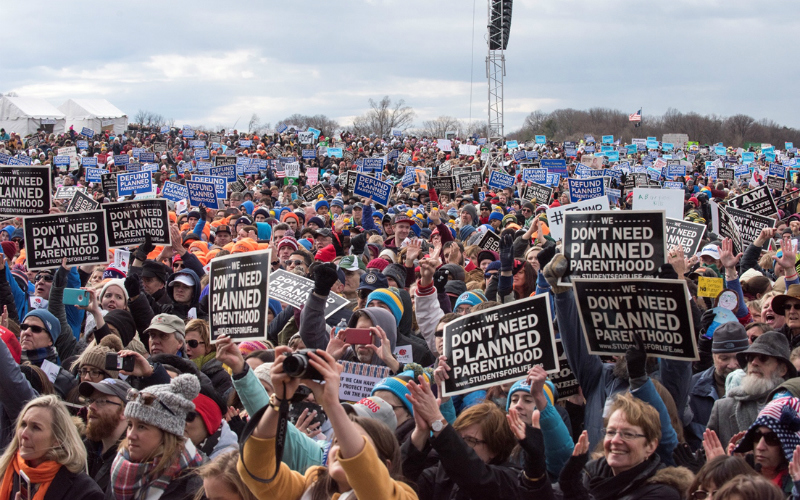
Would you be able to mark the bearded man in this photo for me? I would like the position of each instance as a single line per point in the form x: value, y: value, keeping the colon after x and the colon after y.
x: 106, y: 425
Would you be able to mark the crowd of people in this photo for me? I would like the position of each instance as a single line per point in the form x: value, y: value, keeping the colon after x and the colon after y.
x: 129, y: 397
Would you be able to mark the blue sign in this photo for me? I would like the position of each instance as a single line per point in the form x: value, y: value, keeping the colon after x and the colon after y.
x: 589, y: 149
x: 748, y: 157
x: 555, y: 166
x: 614, y: 174
x: 623, y: 165
x: 258, y: 164
x: 499, y: 180
x: 82, y: 144
x: 553, y: 179
x: 369, y: 187
x: 59, y: 161
x: 93, y: 174
x: 121, y: 160
x: 720, y: 150
x: 632, y: 148
x: 667, y: 146
x: 675, y: 170
x: 188, y: 133
x: 769, y: 156
x: 220, y: 184
x: 204, y: 166
x: 315, y: 132
x: 202, y: 192
x: 282, y: 128
x: 409, y: 177
x: 537, y: 175
x: 608, y: 139
x: 393, y: 154
x: 174, y: 191
x: 606, y: 149
x: 571, y: 152
x: 128, y: 182
x: 87, y: 132
x: 741, y: 170
x: 540, y: 139
x: 584, y: 172
x: 481, y: 141
x: 652, y: 144
x: 245, y: 143
x: 711, y: 171
x: 227, y: 171
x: 89, y: 161
x: 652, y: 139
x: 589, y: 138
x: 201, y: 154
x: 654, y: 173
x: 242, y: 162
x: 373, y: 165
x: 335, y: 152
x: 768, y: 149
x: 585, y: 189
x: 612, y: 156
x: 147, y: 157
x: 531, y: 155
x: 673, y: 185
x: 309, y: 154
x: 512, y: 144
x: 133, y: 167
x: 520, y: 156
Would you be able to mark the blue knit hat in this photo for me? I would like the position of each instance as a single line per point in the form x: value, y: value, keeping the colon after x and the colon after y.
x: 49, y: 321
x: 321, y: 203
x: 391, y: 297
x: 473, y: 297
x: 496, y: 215
x: 522, y: 386
x: 338, y: 202
x: 397, y: 385
x: 275, y: 306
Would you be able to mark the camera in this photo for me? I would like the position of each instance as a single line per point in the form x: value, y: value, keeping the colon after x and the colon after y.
x: 297, y: 365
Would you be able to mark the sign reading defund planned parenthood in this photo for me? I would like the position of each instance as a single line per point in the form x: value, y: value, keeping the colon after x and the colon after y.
x: 657, y: 310
x: 499, y: 344
x: 369, y: 187
x: 24, y: 190
x: 128, y: 222
x: 614, y: 244
x: 238, y: 297
x: 80, y: 237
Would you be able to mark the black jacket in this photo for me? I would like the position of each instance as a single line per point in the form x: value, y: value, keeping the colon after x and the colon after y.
x: 68, y: 486
x: 650, y: 480
x: 99, y: 463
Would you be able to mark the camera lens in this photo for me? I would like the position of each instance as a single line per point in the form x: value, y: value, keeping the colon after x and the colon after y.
x: 295, y: 365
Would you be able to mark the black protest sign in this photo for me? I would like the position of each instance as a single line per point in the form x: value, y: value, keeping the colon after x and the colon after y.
x: 775, y: 182
x: 351, y: 181
x: 445, y: 184
x: 128, y: 222
x: 565, y: 381
x: 499, y: 344
x: 657, y: 310
x: 80, y: 237
x: 109, y: 182
x: 685, y: 234
x: 749, y: 224
x: 294, y: 290
x: 758, y: 201
x: 313, y: 194
x: 468, y: 180
x: 237, y: 186
x: 221, y: 161
x: 82, y: 202
x: 490, y: 241
x: 237, y: 295
x: 725, y: 226
x: 726, y: 174
x: 614, y: 244
x: 160, y: 147
x: 538, y: 193
x: 24, y: 190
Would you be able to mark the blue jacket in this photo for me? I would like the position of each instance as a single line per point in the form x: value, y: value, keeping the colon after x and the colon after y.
x: 701, y: 400
x: 669, y: 438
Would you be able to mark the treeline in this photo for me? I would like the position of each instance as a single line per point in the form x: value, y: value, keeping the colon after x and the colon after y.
x: 571, y: 125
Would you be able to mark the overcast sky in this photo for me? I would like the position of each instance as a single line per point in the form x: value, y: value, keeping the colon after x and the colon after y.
x: 213, y: 63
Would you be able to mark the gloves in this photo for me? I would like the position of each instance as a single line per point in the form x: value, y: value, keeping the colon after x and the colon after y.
x: 325, y: 276
x: 570, y: 479
x: 705, y: 321
x: 358, y: 243
x: 60, y: 278
x: 556, y: 269
x: 533, y: 444
x: 667, y: 272
x: 203, y: 212
x: 144, y: 249
x: 132, y: 286
x: 440, y: 280
x: 684, y: 457
x: 507, y: 251
x: 546, y: 255
x: 636, y: 358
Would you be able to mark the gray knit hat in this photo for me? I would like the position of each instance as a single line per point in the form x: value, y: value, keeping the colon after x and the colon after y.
x: 730, y: 337
x: 171, y: 404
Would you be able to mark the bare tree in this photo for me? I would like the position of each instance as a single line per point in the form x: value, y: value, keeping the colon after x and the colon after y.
x: 383, y: 116
x: 440, y: 126
x: 320, y: 122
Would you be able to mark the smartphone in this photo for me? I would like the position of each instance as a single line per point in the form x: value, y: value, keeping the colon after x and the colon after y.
x: 361, y: 336
x: 76, y: 297
x: 24, y: 486
x: 116, y: 362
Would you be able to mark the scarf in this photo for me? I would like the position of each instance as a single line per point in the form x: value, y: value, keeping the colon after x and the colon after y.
x: 604, y: 485
x: 36, y: 356
x: 132, y: 481
x: 42, y: 475
x: 200, y: 361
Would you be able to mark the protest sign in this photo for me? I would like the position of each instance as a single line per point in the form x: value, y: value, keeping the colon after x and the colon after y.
x: 224, y: 161
x: 555, y: 216
x: 758, y: 201
x: 128, y: 222
x: 685, y: 234
x: 89, y: 161
x: 725, y: 174
x: 444, y: 184
x: 220, y: 183
x: 669, y: 200
x: 490, y: 241
x: 499, y: 344
x: 500, y: 180
x: 174, y: 191
x: 749, y: 224
x: 109, y: 182
x: 238, y: 295
x: 369, y: 187
x: 614, y: 244
x: 129, y: 183
x: 537, y: 175
x: 467, y: 150
x: 24, y: 191
x: 358, y: 379
x: 373, y: 165
x: 709, y: 287
x: 555, y: 166
x: 67, y: 192
x: 81, y: 202
x: 538, y: 194
x: 774, y: 182
x: 294, y: 290
x: 777, y: 170
x: 565, y: 381
x: 334, y: 152
x: 724, y: 225
x: 314, y: 193
x: 226, y: 171
x: 409, y: 177
x: 468, y: 180
x: 95, y: 174
x: 585, y: 189
x: 309, y: 154
x: 80, y: 237
x: 202, y: 192
x: 657, y: 310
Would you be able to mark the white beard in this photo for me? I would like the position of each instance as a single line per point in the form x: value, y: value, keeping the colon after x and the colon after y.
x: 754, y: 385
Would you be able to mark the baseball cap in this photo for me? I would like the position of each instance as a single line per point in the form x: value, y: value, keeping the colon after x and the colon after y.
x: 325, y: 232
x: 352, y: 263
x: 710, y: 250
x: 167, y: 323
x: 374, y: 407
x: 223, y: 229
x: 372, y: 280
x: 108, y: 386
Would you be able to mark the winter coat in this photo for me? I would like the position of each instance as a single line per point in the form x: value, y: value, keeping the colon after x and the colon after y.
x: 702, y: 396
x: 735, y: 413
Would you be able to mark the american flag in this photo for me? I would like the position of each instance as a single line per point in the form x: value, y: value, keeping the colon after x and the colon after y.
x: 636, y: 117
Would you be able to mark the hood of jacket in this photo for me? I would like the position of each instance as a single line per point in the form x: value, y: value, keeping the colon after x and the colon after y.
x: 193, y: 276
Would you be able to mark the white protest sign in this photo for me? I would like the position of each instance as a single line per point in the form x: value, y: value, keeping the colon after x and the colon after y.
x: 555, y: 216
x: 358, y: 379
x: 669, y: 200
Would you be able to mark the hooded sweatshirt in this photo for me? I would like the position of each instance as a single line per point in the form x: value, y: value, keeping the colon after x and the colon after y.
x: 379, y: 317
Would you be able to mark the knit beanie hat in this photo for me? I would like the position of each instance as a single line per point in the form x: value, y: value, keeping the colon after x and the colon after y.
x: 522, y: 386
x: 96, y: 358
x: 120, y: 283
x: 50, y: 322
x: 321, y: 203
x: 123, y: 322
x: 9, y: 249
x: 287, y: 241
x: 249, y: 346
x: 326, y: 253
x: 473, y: 298
x: 209, y: 411
x: 397, y: 272
x: 172, y: 402
x: 379, y: 264
x: 12, y: 343
x: 496, y: 215
x: 390, y: 297
x: 781, y: 417
x: 397, y: 385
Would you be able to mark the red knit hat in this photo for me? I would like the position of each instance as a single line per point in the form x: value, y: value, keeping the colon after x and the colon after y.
x: 379, y: 264
x: 209, y: 412
x: 326, y: 253
x: 13, y: 344
x: 9, y: 249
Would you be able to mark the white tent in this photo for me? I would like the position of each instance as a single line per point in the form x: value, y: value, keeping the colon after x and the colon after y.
x: 24, y: 115
x: 96, y: 114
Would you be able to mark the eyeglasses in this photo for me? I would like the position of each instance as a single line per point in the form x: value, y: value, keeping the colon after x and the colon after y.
x: 99, y: 402
x: 91, y: 372
x: 769, y: 437
x: 47, y: 277
x: 472, y: 442
x: 33, y: 328
x: 191, y: 416
x: 146, y: 399
x: 178, y: 265
x: 194, y: 343
x: 438, y: 333
x: 625, y: 435
x: 526, y: 210
x: 295, y: 263
x: 793, y: 305
x: 363, y: 294
x: 703, y: 494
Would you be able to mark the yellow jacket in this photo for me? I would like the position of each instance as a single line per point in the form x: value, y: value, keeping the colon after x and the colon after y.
x: 368, y: 477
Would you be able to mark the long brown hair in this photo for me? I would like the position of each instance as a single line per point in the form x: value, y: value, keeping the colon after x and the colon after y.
x: 169, y: 452
x: 224, y: 467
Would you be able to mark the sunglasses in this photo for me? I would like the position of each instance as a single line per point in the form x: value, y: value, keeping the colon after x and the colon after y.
x: 191, y: 416
x: 438, y: 333
x: 146, y: 399
x: 47, y: 277
x: 702, y: 494
x: 769, y: 437
x: 295, y: 263
x: 762, y: 358
x: 794, y: 305
x: 194, y: 343
x: 177, y: 265
x: 33, y: 328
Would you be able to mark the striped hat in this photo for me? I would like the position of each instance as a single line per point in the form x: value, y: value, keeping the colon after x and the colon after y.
x: 522, y: 385
x: 473, y: 297
x: 397, y: 385
x: 391, y: 297
x: 781, y: 417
